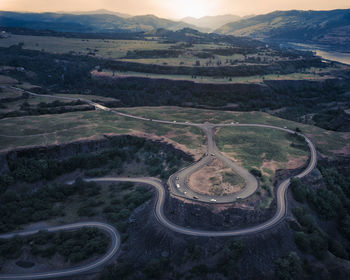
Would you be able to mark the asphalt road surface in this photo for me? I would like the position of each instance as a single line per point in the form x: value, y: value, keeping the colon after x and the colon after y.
x: 178, y: 181
x: 111, y: 252
x: 251, y: 187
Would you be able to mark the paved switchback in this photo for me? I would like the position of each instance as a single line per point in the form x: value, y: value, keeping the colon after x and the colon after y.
x: 161, y: 195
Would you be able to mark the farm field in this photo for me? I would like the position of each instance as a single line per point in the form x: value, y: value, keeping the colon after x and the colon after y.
x: 212, y: 80
x: 149, y: 51
x: 106, y: 48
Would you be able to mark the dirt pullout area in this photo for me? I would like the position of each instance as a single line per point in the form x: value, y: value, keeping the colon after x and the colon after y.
x: 216, y: 179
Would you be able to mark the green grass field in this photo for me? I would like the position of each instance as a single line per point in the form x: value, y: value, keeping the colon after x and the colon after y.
x: 115, y: 49
x: 214, y: 80
x: 106, y: 48
x: 273, y: 144
x: 62, y: 128
x: 254, y: 146
x: 263, y: 149
x: 266, y: 150
x: 232, y: 178
x: 327, y: 142
x: 33, y: 101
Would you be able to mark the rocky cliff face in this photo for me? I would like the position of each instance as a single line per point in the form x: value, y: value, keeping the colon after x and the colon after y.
x: 213, y: 217
x: 64, y: 151
x: 224, y: 216
x: 59, y: 152
x: 291, y: 86
x: 148, y: 240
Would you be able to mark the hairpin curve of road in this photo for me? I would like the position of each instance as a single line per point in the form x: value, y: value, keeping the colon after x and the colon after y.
x: 179, y: 176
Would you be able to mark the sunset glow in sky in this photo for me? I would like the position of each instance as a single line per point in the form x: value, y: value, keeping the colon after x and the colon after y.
x: 174, y: 8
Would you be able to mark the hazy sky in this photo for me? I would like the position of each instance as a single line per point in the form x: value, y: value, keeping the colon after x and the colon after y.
x: 174, y: 8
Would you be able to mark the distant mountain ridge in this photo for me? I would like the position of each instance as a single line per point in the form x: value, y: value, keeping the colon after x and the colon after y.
x: 211, y: 22
x: 322, y: 27
x: 97, y: 12
x: 88, y: 23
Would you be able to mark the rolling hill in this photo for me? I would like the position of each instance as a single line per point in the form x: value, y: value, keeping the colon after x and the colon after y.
x: 211, y: 22
x: 87, y: 23
x: 97, y: 12
x: 321, y: 27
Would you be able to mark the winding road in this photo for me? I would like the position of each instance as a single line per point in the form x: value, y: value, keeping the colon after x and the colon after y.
x: 179, y: 178
x: 178, y: 181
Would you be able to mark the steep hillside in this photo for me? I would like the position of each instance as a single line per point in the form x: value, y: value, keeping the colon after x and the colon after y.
x: 324, y: 27
x: 87, y: 22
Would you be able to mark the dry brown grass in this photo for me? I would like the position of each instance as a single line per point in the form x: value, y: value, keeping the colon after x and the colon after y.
x: 216, y: 179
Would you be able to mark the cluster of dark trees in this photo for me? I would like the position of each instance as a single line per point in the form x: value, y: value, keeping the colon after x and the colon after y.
x: 331, y: 203
x: 309, y: 238
x: 289, y: 267
x: 28, y: 206
x: 279, y: 67
x: 51, y: 33
x: 59, y: 103
x: 160, y: 160
x: 154, y: 53
x: 36, y: 205
x: 231, y: 51
x: 26, y: 110
x: 173, y: 53
x: 121, y: 206
x: 156, y: 268
x: 336, y: 119
x: 47, y: 202
x: 55, y: 71
x: 74, y: 246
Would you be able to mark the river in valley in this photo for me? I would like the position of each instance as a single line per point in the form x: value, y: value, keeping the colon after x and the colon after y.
x: 322, y: 51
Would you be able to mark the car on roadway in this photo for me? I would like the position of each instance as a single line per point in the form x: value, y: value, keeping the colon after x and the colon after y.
x: 195, y: 197
x: 177, y: 178
x: 238, y: 197
x: 174, y: 121
x: 213, y: 155
x: 213, y: 200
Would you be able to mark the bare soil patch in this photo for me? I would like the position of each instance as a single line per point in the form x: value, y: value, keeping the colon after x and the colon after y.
x: 216, y: 179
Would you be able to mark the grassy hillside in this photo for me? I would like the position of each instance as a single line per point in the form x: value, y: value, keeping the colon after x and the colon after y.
x: 87, y: 22
x: 327, y: 142
x: 330, y: 27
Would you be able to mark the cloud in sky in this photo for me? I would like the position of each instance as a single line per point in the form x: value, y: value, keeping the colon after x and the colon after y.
x: 174, y: 8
